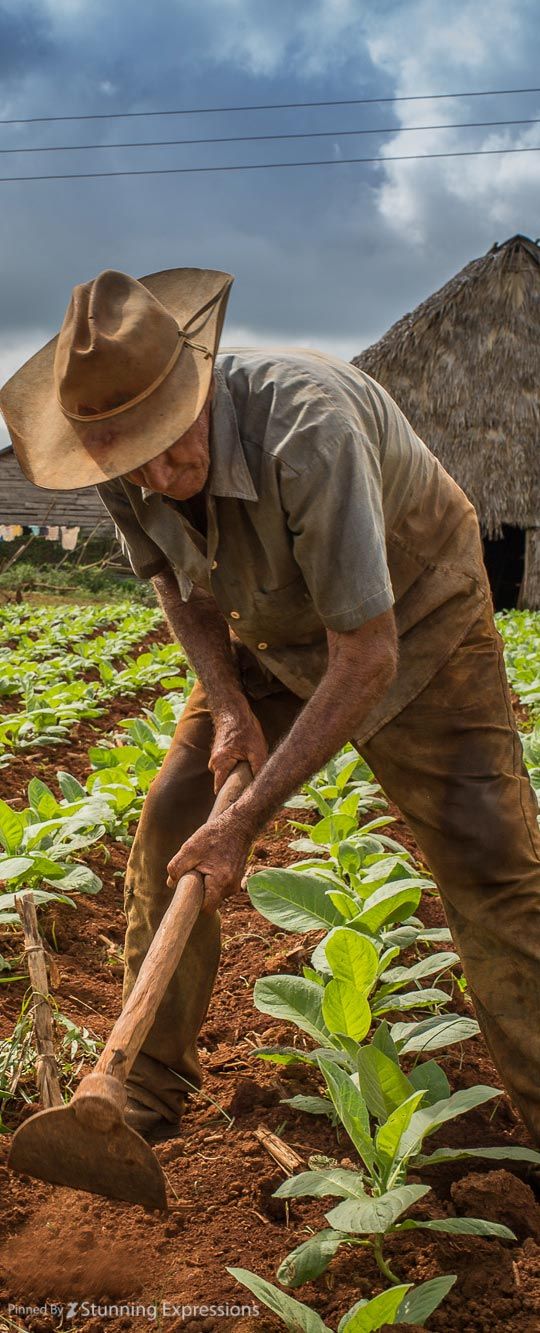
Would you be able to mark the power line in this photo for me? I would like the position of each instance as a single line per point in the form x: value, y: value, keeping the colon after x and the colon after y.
x: 270, y: 106
x: 267, y: 166
x: 261, y: 138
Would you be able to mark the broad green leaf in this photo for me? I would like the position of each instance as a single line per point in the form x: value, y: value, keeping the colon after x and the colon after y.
x: 415, y: 999
x: 310, y: 1259
x: 382, y: 1040
x: 294, y: 901
x: 11, y: 828
x: 429, y: 966
x: 429, y: 1118
x: 389, y: 1137
x: 420, y: 1302
x: 333, y: 829
x: 296, y: 1316
x: 80, y: 879
x: 345, y: 1010
x: 382, y: 1083
x: 376, y: 1215
x: 344, y: 903
x: 433, y: 1033
x: 393, y: 902
x: 458, y: 1226
x: 41, y: 799
x: 489, y: 1154
x: 351, y: 1109
x: 352, y: 958
x: 69, y: 786
x: 432, y: 1079
x: 311, y: 1105
x: 293, y: 1000
x: 368, y: 1316
x: 13, y: 866
x: 336, y: 1181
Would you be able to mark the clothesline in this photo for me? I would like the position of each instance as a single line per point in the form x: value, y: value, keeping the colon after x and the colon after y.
x: 67, y: 536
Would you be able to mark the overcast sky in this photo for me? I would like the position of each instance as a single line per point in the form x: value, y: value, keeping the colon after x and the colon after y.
x: 326, y: 256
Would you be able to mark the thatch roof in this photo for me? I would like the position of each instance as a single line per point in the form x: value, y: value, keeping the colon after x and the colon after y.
x: 464, y: 367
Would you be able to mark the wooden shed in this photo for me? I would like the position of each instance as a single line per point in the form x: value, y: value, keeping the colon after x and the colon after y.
x: 463, y: 367
x: 22, y: 502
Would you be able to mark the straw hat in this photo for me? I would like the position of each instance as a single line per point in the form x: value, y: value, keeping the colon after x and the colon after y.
x: 126, y: 376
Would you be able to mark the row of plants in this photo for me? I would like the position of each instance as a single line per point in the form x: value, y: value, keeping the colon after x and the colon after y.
x: 368, y: 1012
x: 60, y: 688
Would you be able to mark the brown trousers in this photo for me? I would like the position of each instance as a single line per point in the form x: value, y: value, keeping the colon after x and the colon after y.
x: 452, y: 762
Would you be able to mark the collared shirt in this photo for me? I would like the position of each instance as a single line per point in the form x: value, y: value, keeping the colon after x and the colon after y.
x: 324, y: 509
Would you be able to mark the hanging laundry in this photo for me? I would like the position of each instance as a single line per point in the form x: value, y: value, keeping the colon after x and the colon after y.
x: 35, y: 529
x: 52, y: 534
x: 9, y: 531
x: 69, y: 538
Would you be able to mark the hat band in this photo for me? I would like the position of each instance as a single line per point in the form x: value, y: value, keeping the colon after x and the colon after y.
x: 183, y: 340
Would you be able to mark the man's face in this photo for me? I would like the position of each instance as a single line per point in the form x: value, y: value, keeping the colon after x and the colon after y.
x: 181, y: 470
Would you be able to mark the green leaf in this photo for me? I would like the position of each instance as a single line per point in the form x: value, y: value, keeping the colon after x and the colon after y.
x: 69, y: 786
x: 433, y: 1033
x: 13, y: 866
x: 383, y: 1042
x: 296, y: 1316
x: 489, y: 1154
x: 79, y: 879
x: 415, y: 999
x: 345, y: 1010
x: 420, y: 1302
x: 333, y: 829
x: 352, y: 958
x: 389, y: 1137
x: 351, y: 1108
x: 429, y: 1076
x: 310, y: 1259
x: 382, y: 1083
x: 368, y: 1316
x: 294, y: 901
x: 311, y: 1105
x: 376, y: 1215
x: 293, y: 1000
x: 459, y: 1226
x: 41, y: 799
x: 393, y: 902
x: 429, y: 1118
x: 431, y: 965
x: 335, y: 1181
x: 11, y: 828
x: 344, y: 903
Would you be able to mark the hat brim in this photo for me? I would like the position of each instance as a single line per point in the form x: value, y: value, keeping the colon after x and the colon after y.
x: 58, y: 453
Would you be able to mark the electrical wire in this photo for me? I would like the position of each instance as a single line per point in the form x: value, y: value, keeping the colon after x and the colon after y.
x: 270, y: 106
x: 268, y: 166
x: 261, y: 138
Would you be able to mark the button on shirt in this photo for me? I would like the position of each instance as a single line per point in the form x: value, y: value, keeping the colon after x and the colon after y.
x: 323, y: 509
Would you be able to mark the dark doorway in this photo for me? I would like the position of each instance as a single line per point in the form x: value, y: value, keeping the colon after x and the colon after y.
x: 504, y: 560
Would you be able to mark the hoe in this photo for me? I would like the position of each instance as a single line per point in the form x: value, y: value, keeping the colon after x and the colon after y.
x: 87, y: 1145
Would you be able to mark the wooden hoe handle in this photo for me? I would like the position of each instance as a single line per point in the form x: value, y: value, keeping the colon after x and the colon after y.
x: 164, y: 954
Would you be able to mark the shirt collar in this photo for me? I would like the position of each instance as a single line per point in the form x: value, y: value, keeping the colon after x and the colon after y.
x: 229, y: 473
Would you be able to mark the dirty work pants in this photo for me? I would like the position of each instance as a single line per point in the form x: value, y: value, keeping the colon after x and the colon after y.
x: 452, y: 763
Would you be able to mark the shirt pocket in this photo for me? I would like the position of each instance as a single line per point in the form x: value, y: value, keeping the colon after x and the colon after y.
x: 285, y: 614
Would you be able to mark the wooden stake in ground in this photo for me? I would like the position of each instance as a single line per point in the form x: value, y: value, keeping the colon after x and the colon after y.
x: 285, y: 1156
x: 46, y: 1067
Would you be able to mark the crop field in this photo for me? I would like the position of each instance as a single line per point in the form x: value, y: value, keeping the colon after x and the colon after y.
x: 351, y: 1163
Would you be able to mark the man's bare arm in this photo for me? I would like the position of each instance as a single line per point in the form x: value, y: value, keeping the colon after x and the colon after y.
x: 204, y: 635
x: 361, y: 666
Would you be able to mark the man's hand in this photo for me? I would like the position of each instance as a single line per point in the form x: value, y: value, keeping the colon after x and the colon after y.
x: 238, y: 736
x: 219, y: 851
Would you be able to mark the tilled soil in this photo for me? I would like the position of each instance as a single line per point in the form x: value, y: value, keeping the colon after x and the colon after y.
x: 76, y: 1250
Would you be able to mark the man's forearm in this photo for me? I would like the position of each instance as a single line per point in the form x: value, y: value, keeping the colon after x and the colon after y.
x: 204, y: 635
x: 350, y: 688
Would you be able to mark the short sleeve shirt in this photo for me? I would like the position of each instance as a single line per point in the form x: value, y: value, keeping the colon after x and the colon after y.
x: 324, y: 509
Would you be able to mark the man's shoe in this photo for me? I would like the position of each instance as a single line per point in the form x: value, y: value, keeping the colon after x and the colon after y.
x: 153, y: 1127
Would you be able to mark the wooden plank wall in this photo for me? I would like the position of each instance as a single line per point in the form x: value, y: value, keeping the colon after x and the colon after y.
x: 22, y: 502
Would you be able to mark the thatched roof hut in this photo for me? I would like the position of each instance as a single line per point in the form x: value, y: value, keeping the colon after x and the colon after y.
x: 464, y: 368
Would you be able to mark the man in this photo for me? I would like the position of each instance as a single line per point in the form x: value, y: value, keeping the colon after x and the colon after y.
x: 325, y: 577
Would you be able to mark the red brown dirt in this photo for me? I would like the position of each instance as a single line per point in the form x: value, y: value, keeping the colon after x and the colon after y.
x: 62, y: 1246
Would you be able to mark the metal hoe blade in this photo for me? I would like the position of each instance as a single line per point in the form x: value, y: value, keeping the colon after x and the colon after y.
x: 54, y: 1146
